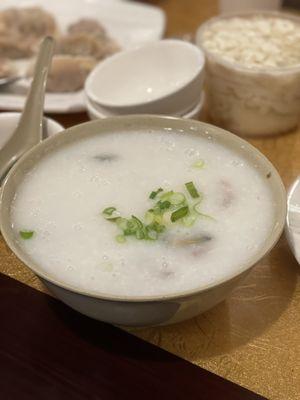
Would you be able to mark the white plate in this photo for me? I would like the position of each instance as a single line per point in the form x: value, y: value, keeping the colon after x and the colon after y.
x: 128, y: 23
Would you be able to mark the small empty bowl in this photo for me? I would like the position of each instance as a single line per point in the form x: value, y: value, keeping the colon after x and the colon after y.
x: 164, y: 77
x: 9, y: 121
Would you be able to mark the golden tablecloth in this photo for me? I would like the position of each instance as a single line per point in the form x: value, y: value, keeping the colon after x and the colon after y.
x: 253, y: 338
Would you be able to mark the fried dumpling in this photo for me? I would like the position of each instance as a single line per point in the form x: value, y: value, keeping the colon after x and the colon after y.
x: 22, y: 29
x: 89, y: 26
x: 6, y: 68
x: 12, y: 47
x: 67, y: 73
x: 82, y: 44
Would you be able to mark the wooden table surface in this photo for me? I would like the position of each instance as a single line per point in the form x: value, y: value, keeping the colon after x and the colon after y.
x: 253, y: 338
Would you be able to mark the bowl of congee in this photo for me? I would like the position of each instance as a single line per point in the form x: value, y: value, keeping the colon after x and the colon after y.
x: 142, y: 220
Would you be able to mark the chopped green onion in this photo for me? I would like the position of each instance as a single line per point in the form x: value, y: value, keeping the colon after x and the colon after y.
x: 149, y: 217
x: 170, y: 207
x: 158, y: 219
x: 120, y: 238
x: 155, y: 193
x: 156, y: 227
x: 26, y: 234
x: 138, y: 222
x: 163, y: 205
x: 139, y: 234
x: 121, y: 223
x: 189, y: 220
x: 206, y: 216
x: 166, y: 196
x: 197, y: 208
x: 192, y: 190
x: 199, y: 164
x: 110, y: 213
x: 109, y: 210
x: 152, y: 235
x: 177, y: 198
x: 180, y: 213
x: 198, y: 211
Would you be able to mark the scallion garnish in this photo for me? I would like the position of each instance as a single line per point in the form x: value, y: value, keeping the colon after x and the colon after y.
x: 177, y: 198
x: 155, y: 226
x: 192, y: 190
x: 164, y: 205
x: 199, y: 164
x: 122, y: 223
x: 166, y: 196
x: 109, y: 210
x: 149, y: 217
x: 180, y: 213
x: 139, y: 223
x: 139, y: 234
x: 120, y: 238
x: 189, y: 220
x: 170, y: 207
x: 110, y: 213
x: 197, y: 209
x: 26, y: 234
x: 152, y: 235
x: 155, y: 193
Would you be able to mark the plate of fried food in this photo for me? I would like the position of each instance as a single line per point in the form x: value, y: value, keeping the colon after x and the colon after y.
x: 86, y: 32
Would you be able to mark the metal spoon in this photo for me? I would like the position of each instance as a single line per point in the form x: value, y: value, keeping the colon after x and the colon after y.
x: 29, y: 130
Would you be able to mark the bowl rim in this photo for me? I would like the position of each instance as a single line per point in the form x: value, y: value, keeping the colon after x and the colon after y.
x: 137, y: 122
x: 235, y: 65
x: 195, y: 110
x: 198, y: 52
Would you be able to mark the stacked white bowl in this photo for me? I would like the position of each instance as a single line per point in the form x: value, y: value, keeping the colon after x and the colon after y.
x: 163, y: 77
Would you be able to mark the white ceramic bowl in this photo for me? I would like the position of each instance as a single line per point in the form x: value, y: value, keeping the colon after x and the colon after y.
x: 164, y: 77
x: 9, y: 121
x: 96, y: 112
x: 147, y: 310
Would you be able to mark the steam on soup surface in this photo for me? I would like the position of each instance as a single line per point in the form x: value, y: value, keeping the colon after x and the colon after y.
x: 60, y: 203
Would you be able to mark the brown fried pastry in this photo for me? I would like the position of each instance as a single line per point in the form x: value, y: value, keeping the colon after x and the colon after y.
x: 82, y: 44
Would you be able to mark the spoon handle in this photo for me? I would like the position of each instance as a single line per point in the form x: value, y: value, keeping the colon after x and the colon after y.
x: 29, y: 130
x: 30, y: 123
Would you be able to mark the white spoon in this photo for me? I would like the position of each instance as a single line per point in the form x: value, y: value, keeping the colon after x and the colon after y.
x: 29, y: 130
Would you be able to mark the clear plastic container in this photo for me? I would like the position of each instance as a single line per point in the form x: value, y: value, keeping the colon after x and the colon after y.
x: 251, y: 100
x: 226, y: 6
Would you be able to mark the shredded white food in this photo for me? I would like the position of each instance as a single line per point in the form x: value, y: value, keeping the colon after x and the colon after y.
x: 255, y: 42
